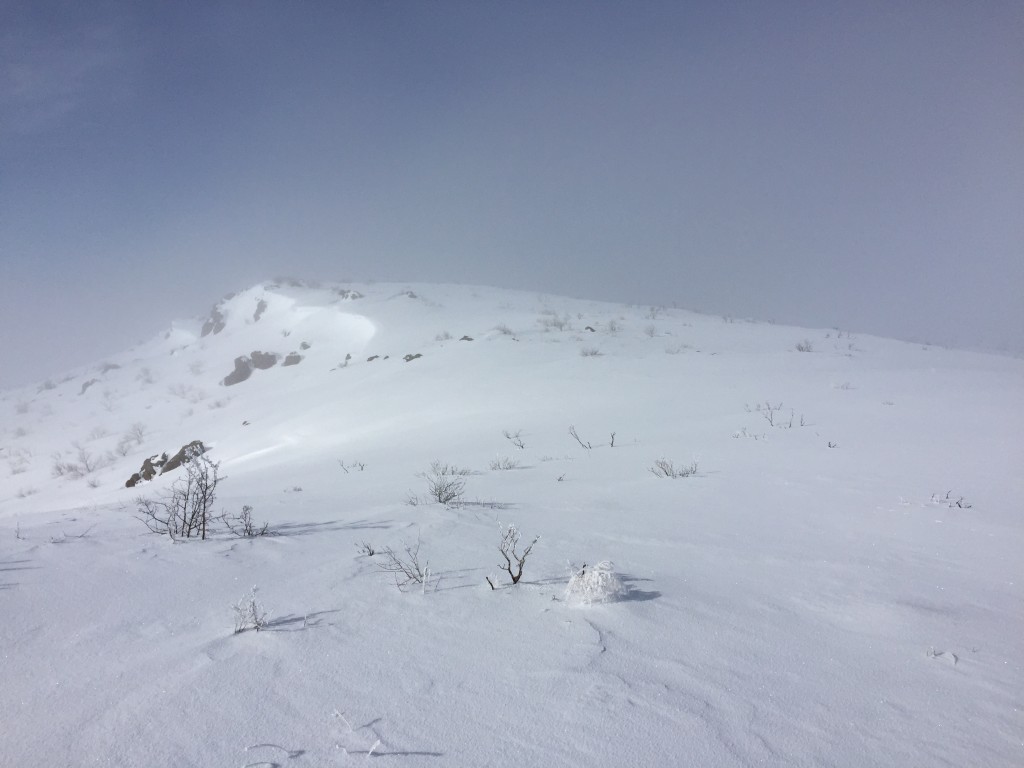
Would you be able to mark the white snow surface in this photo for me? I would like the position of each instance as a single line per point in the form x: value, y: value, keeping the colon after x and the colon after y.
x: 845, y: 592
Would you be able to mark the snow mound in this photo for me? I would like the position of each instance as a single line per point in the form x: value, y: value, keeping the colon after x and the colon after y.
x: 595, y: 584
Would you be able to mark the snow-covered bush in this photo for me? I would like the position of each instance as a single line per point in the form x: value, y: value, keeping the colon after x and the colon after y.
x: 249, y: 613
x: 595, y: 584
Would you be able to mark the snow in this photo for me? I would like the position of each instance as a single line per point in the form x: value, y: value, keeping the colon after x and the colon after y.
x: 789, y: 604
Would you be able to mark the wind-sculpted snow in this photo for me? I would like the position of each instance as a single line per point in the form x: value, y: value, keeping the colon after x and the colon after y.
x: 816, y: 541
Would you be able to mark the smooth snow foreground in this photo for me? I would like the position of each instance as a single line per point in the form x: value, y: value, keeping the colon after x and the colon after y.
x: 833, y: 578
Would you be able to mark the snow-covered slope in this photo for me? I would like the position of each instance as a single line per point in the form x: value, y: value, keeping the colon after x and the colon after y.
x: 838, y: 583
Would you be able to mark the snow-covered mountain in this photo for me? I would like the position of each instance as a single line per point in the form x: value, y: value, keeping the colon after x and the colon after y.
x: 833, y: 579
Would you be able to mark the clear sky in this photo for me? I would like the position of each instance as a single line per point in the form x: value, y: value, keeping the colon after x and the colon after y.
x: 858, y: 165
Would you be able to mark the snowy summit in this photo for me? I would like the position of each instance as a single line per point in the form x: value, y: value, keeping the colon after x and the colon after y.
x: 446, y: 525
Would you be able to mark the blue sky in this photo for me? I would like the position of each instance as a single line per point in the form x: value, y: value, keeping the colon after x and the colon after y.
x: 858, y: 165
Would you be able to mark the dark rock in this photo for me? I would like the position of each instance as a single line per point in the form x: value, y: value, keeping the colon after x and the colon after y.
x: 88, y: 384
x: 466, y: 338
x: 264, y: 360
x: 214, y: 323
x: 588, y: 328
x: 410, y: 358
x: 371, y: 358
x: 293, y: 358
x: 261, y: 307
x: 243, y: 370
x: 148, y: 470
x: 194, y: 448
x: 304, y: 345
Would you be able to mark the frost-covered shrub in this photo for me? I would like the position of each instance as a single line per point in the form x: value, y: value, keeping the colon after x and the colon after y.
x: 186, y: 509
x: 445, y: 483
x: 406, y: 568
x: 666, y: 468
x: 595, y: 584
x: 504, y: 463
x: 243, y: 526
x: 514, y: 560
x: 249, y: 613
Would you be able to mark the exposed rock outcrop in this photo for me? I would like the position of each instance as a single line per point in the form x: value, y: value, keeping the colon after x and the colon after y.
x: 243, y: 370
x: 264, y: 360
x: 160, y: 464
x: 214, y: 323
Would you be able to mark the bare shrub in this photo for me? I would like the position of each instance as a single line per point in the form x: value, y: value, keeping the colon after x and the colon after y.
x: 613, y: 326
x: 249, y: 613
x: 445, y: 483
x: 771, y: 414
x: 514, y: 560
x: 406, y: 567
x: 805, y: 346
x: 665, y: 468
x: 590, y: 352
x: 145, y: 376
x: 572, y: 431
x: 366, y: 548
x: 504, y: 463
x: 950, y: 501
x: 551, y: 321
x: 88, y: 462
x: 516, y: 438
x: 243, y: 526
x: 186, y: 510
x: 19, y: 461
x: 768, y: 411
x: 743, y: 433
x: 60, y: 468
x: 98, y: 433
x: 444, y: 336
x: 503, y: 329
x: 650, y: 331
x: 186, y: 392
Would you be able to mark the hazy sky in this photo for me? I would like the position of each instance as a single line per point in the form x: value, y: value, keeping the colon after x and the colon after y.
x: 829, y: 164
